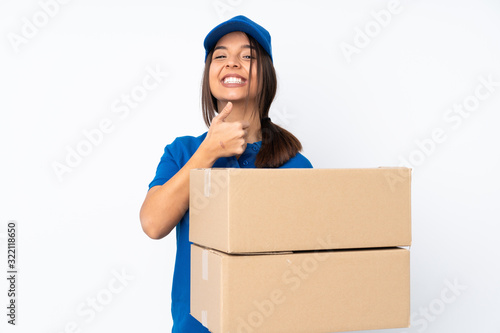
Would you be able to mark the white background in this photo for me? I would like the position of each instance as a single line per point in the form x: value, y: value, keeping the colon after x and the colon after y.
x: 366, y: 110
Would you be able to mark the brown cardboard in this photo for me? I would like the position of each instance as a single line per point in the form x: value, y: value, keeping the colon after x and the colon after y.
x: 261, y: 210
x: 307, y: 292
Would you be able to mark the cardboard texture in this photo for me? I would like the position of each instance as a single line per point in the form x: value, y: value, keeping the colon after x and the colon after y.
x: 308, y: 292
x: 262, y: 210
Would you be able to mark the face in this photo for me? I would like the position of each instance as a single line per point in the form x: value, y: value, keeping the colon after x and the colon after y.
x: 230, y: 69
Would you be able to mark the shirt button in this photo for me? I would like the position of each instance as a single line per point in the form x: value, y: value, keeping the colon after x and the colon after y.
x: 245, y: 162
x: 255, y: 148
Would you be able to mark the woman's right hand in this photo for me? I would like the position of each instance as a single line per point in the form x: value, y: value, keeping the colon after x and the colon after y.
x: 225, y: 138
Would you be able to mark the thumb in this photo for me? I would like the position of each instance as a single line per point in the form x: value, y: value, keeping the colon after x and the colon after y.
x: 225, y: 112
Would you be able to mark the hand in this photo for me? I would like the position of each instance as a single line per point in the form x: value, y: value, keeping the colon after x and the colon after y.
x: 224, y: 138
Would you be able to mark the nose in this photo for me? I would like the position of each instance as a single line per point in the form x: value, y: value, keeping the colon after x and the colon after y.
x: 233, y: 62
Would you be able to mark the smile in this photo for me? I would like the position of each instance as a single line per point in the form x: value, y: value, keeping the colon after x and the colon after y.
x: 233, y: 81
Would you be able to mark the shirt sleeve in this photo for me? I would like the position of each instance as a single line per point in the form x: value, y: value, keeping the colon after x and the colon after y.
x: 298, y: 161
x: 168, y: 166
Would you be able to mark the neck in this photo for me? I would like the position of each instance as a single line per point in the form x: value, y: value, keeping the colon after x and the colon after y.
x: 250, y: 114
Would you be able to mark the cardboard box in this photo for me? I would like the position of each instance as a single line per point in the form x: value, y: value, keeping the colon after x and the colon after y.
x: 307, y: 292
x: 260, y: 210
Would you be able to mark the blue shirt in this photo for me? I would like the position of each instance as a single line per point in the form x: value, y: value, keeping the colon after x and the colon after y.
x: 175, y: 156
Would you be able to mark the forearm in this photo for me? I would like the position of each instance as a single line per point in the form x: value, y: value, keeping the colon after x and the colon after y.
x: 165, y: 205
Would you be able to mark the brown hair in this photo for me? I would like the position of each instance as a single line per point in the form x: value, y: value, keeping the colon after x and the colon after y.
x: 278, y: 144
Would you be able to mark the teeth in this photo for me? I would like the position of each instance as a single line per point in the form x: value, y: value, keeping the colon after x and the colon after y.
x: 233, y: 80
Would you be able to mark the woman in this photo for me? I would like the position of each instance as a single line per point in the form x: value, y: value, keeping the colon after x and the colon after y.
x: 239, y: 85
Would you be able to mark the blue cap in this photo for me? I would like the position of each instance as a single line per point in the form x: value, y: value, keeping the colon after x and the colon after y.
x: 238, y: 23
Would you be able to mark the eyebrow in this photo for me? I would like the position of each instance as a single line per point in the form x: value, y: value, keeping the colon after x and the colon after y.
x: 225, y: 48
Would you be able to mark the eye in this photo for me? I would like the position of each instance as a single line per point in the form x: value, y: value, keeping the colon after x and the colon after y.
x: 219, y: 56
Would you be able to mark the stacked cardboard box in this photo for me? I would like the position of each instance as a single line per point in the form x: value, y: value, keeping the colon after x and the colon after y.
x: 300, y: 250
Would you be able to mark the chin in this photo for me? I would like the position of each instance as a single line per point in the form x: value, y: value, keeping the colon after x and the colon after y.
x: 232, y: 99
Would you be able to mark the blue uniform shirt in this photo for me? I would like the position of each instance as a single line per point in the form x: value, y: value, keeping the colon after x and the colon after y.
x: 175, y: 156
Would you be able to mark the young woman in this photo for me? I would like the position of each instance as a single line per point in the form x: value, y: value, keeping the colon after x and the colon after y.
x: 239, y: 85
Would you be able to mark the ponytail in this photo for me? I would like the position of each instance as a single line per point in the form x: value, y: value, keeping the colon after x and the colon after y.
x: 278, y: 145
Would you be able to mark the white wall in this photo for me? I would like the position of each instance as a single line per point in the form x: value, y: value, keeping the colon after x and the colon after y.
x: 368, y: 109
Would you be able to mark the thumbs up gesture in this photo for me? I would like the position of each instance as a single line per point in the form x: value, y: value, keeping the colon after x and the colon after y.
x: 227, y: 138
